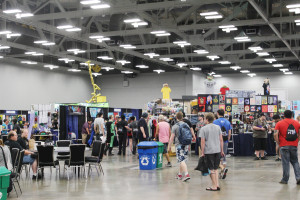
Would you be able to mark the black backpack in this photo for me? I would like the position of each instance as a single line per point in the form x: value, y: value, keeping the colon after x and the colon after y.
x: 224, y: 133
x: 291, y: 133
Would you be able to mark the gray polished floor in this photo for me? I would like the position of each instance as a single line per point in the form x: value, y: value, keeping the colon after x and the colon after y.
x: 247, y: 179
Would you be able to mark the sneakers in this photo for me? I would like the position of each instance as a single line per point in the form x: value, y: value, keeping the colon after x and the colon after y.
x: 298, y: 182
x: 39, y: 176
x: 256, y: 158
x: 264, y: 158
x: 186, y: 178
x: 282, y: 182
x: 278, y: 159
x: 178, y: 177
x: 169, y: 164
x: 224, y: 173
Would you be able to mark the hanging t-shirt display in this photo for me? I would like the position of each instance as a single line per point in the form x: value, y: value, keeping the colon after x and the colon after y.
x: 222, y: 106
x: 258, y: 108
x: 215, y: 99
x: 208, y: 108
x: 215, y: 108
x: 241, y: 108
x: 222, y: 99
x: 252, y: 101
x: 247, y: 108
x: 228, y: 101
x: 247, y: 101
x: 258, y: 100
x: 209, y: 100
x: 264, y: 100
x: 241, y: 101
x: 201, y: 100
x: 235, y: 108
x: 228, y: 108
x: 235, y: 101
x: 264, y: 108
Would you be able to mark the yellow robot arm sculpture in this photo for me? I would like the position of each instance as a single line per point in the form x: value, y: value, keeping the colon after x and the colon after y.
x: 95, y: 87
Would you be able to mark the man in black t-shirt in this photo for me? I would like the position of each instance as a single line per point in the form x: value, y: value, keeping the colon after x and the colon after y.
x: 23, y: 141
x: 134, y: 129
x: 122, y: 127
x: 143, y: 134
x: 16, y: 127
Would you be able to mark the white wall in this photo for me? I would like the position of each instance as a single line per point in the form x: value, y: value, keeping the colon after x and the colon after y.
x: 143, y: 88
x: 22, y: 86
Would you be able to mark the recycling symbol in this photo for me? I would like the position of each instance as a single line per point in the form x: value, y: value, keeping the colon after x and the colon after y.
x: 154, y: 159
x: 144, y: 160
x: 160, y: 158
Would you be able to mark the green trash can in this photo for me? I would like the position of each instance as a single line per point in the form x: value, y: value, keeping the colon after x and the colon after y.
x: 159, y: 162
x: 4, y: 182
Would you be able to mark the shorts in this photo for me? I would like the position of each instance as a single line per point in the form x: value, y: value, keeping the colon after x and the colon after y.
x: 260, y: 144
x: 182, y: 153
x: 213, y: 160
x: 28, y: 159
x: 166, y: 148
x: 130, y: 136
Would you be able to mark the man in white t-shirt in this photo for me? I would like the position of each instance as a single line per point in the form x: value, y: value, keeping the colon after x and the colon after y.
x: 99, y: 126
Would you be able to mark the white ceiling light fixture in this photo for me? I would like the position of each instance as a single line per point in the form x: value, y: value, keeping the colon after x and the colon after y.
x: 251, y: 74
x: 166, y: 59
x: 123, y: 62
x: 235, y: 67
x: 38, y: 54
x: 5, y: 32
x: 182, y: 43
x: 196, y: 68
x: 270, y: 60
x: 211, y: 73
x: 287, y: 73
x: 105, y: 58
x: 181, y: 64
x: 65, y: 26
x: 159, y: 71
x: 4, y: 47
x: 225, y: 62
x: 28, y: 62
x: 213, y: 57
x: 74, y: 70
x: 217, y: 75
x: 255, y: 49
x: 294, y: 8
x: 277, y: 65
x: 12, y: 11
x: 40, y: 41
x: 214, y: 17
x: 23, y: 15
x: 75, y: 29
x: 211, y: 15
x: 1, y: 57
x: 51, y: 67
x: 284, y: 69
x: 66, y: 60
x: 13, y: 35
x: 126, y: 72
x: 48, y: 44
x: 142, y: 66
x: 99, y: 38
x: 100, y: 6
x: 90, y: 2
x: 151, y: 55
x: 297, y: 22
x: 261, y: 54
x: 97, y: 74
x: 201, y: 51
x: 228, y: 28
x: 136, y: 22
x: 76, y: 51
x: 127, y: 46
x: 108, y: 68
x: 245, y: 71
x: 129, y: 21
x: 160, y: 33
x: 242, y: 39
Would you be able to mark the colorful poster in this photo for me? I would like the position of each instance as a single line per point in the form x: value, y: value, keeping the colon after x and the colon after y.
x: 264, y: 100
x: 209, y: 100
x: 270, y: 100
x: 201, y: 108
x: 275, y: 109
x: 252, y: 101
x: 275, y: 100
x: 235, y: 101
x: 201, y: 100
x: 241, y: 108
x: 215, y: 99
x: 228, y: 108
x: 258, y: 108
x: 258, y: 100
x: 215, y: 108
x: 264, y: 108
x: 235, y: 108
x: 271, y: 108
x: 222, y: 99
x: 208, y: 108
x: 241, y: 101
x: 252, y: 108
x: 222, y: 107
x: 228, y: 101
x: 247, y: 101
x: 247, y: 108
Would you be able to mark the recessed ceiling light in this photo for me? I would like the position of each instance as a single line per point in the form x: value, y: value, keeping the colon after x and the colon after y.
x: 284, y: 69
x: 213, y: 57
x: 163, y: 34
x: 103, y: 39
x: 5, y: 32
x: 51, y: 66
x: 245, y: 71
x: 157, y: 32
x: 182, y: 43
x: 65, y: 26
x: 13, y: 35
x: 123, y: 62
x: 100, y: 6
x: 225, y: 62
x: 48, y: 44
x: 74, y: 70
x: 28, y: 62
x: 89, y: 2
x: 181, y: 64
x: 159, y: 71
x: 108, y: 68
x: 262, y: 54
x: 293, y: 6
x: 214, y: 17
x: 1, y: 57
x: 132, y: 20
x: 96, y: 37
x: 75, y: 29
x: 151, y: 55
x: 97, y: 74
x: 137, y: 24
x: 12, y: 11
x: 126, y: 72
x: 278, y: 65
x: 40, y: 41
x: 251, y: 75
x: 22, y: 15
x: 166, y: 59
x: 4, y: 47
x: 255, y: 49
x: 30, y: 52
x: 235, y: 67
x: 209, y: 13
x: 38, y: 54
x: 242, y: 39
x: 127, y: 46
x: 201, y: 51
x: 228, y: 28
x: 105, y: 58
x: 196, y: 68
x: 142, y: 66
x: 270, y: 60
x: 66, y: 60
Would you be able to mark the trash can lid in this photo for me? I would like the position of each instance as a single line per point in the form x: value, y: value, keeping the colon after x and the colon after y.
x: 4, y: 171
x: 160, y: 144
x: 147, y: 145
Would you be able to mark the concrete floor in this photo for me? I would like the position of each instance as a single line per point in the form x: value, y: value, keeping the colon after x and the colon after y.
x: 247, y: 179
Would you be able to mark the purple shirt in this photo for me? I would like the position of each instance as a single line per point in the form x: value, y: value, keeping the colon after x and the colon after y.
x: 84, y: 127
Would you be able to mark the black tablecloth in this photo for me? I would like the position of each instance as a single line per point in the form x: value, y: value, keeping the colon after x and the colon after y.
x: 243, y: 145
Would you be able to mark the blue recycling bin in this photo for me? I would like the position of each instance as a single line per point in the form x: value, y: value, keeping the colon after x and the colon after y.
x: 147, y: 155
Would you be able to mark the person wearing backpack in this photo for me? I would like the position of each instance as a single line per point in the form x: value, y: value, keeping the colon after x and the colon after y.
x: 212, y: 149
x: 287, y: 136
x: 260, y: 136
x: 110, y: 127
x: 226, y: 128
x: 183, y: 136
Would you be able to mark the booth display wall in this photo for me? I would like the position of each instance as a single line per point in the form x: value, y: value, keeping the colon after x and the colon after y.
x: 24, y: 86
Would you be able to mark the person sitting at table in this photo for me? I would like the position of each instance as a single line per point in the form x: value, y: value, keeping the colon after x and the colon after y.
x: 12, y: 143
x: 23, y: 141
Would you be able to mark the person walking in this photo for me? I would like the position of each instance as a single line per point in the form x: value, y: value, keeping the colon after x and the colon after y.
x: 287, y: 136
x: 260, y: 136
x: 86, y: 131
x: 276, y: 119
x: 163, y: 132
x: 134, y: 128
x: 199, y: 125
x: 212, y: 149
x: 99, y: 126
x: 122, y: 127
x: 183, y: 136
x: 110, y: 127
x: 143, y: 133
x: 226, y: 128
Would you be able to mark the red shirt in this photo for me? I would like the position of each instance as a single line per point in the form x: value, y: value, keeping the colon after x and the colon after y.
x: 223, y: 90
x: 282, y: 127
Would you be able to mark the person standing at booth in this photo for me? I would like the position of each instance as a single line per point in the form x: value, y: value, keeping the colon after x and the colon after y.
x: 143, y: 133
x: 260, y: 136
x: 86, y: 130
x: 99, y: 126
x: 122, y: 127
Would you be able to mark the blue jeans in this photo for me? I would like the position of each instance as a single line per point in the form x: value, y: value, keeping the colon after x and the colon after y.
x: 289, y: 155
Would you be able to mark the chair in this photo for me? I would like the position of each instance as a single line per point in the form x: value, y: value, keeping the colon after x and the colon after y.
x: 14, y: 152
x: 46, y: 158
x: 97, y: 155
x: 15, y: 175
x: 63, y: 155
x: 76, y: 159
